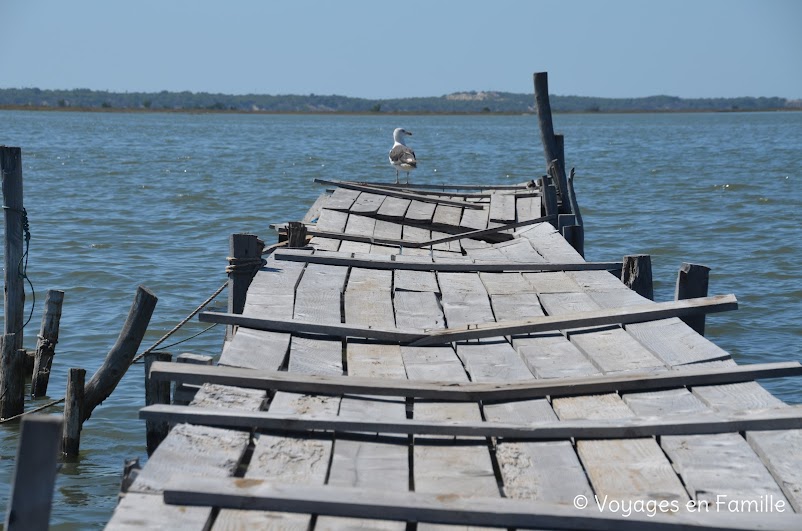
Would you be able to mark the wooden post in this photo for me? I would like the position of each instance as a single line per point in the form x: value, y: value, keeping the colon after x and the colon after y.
x: 122, y: 353
x: 296, y: 234
x: 14, y: 306
x: 12, y: 377
x: 559, y: 140
x: 549, y: 199
x: 245, y: 255
x: 34, y: 475
x: 636, y: 273
x: 156, y: 392
x: 46, y: 346
x: 692, y: 282
x: 550, y: 147
x: 579, y: 231
x: 74, y: 404
x: 184, y: 393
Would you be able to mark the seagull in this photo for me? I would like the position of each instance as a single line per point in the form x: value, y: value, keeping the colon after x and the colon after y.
x: 401, y: 156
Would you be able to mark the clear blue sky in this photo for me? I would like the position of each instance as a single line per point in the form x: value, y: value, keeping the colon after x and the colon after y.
x: 381, y: 49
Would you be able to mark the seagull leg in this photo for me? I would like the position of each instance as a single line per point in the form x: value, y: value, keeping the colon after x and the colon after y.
x: 397, y: 180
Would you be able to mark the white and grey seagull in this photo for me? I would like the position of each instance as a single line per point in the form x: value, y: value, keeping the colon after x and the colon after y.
x: 401, y: 156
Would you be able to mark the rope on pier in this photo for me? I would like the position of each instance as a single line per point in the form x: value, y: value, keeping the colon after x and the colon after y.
x: 244, y: 266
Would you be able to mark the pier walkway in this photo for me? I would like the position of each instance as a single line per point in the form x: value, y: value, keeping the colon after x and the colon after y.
x: 532, y: 417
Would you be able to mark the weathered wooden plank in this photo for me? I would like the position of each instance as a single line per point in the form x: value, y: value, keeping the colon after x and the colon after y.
x: 367, y: 204
x: 448, y: 186
x: 507, y: 513
x: 393, y: 208
x: 527, y: 207
x: 475, y: 219
x: 774, y: 419
x: 445, y: 265
x: 395, y: 193
x: 341, y: 199
x: 326, y: 381
x: 487, y: 329
x: 446, y: 216
x: 781, y: 453
x: 550, y: 244
x: 502, y: 207
x: 332, y: 220
x: 413, y: 280
x: 420, y: 212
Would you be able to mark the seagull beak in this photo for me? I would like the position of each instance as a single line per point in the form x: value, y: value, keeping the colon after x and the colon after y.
x: 407, y: 132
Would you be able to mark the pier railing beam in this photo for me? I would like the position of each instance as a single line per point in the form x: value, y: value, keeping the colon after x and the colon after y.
x: 636, y: 274
x: 692, y: 282
x: 551, y: 148
x: 46, y: 346
x: 34, y: 475
x: 183, y: 393
x: 122, y: 353
x: 14, y: 306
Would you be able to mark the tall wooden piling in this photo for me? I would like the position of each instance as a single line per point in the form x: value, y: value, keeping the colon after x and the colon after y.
x: 551, y: 148
x: 156, y: 392
x: 692, y: 282
x: 46, y: 346
x: 244, y: 260
x: 12, y: 377
x: 636, y: 274
x: 119, y: 358
x: 74, y: 402
x: 14, y: 305
x: 34, y: 475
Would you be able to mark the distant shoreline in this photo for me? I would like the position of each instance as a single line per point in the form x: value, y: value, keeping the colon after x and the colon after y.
x: 47, y: 108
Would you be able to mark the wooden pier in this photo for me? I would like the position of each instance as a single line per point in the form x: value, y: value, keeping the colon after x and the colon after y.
x: 439, y: 356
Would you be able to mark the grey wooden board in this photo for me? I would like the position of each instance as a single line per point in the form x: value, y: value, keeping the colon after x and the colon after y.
x: 332, y: 220
x: 342, y: 199
x: 620, y: 428
x: 550, y: 355
x: 393, y: 208
x: 716, y: 466
x: 520, y: 250
x: 318, y: 296
x: 507, y: 513
x: 551, y: 282
x: 527, y: 207
x: 137, y: 511
x: 367, y: 203
x: 781, y: 452
x: 549, y: 243
x: 299, y: 460
x: 360, y: 225
x: 713, y: 467
x: 446, y: 216
x: 671, y: 340
x: 322, y: 378
x: 628, y: 469
x: 418, y: 309
x: 515, y: 306
x: 545, y: 471
x: 368, y: 300
x: 420, y: 212
x: 611, y: 348
x: 369, y: 463
x: 475, y: 219
x: 405, y: 280
x: 502, y: 207
x: 256, y: 349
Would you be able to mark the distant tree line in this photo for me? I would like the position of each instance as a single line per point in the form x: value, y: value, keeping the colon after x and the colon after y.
x: 463, y: 102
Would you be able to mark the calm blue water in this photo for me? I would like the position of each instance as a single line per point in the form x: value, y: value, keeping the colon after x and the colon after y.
x: 118, y: 200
